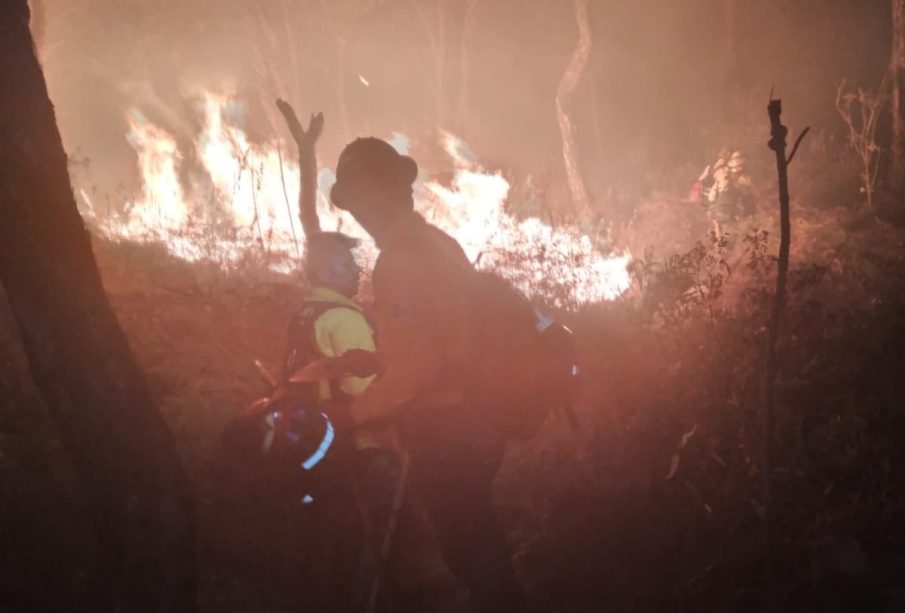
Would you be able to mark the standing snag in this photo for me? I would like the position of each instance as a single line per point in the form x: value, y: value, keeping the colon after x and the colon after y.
x: 777, y: 143
x: 306, y: 141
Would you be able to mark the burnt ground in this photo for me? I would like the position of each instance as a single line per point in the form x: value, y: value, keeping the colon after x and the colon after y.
x: 652, y: 504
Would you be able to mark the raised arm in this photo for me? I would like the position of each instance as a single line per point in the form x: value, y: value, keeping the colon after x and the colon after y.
x: 306, y: 141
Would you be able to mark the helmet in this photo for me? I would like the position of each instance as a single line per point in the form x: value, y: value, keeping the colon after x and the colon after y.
x: 368, y: 161
x: 737, y: 161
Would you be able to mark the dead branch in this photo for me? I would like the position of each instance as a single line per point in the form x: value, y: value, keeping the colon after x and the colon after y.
x: 306, y: 141
x: 564, y: 94
x: 797, y: 143
x: 860, y: 110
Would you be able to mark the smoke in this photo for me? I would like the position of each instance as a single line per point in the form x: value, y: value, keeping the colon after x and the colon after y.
x: 668, y: 83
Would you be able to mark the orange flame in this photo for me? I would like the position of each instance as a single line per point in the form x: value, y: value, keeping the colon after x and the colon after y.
x: 246, y: 188
x: 162, y: 203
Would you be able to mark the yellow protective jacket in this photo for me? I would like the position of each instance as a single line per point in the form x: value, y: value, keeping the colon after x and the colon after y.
x: 336, y: 331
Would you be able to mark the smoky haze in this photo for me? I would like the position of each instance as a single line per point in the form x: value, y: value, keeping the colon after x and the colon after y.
x: 667, y: 85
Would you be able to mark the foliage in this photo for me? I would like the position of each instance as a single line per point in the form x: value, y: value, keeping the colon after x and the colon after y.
x: 665, y: 491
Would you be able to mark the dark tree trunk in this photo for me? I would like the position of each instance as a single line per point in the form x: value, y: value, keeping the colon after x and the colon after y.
x: 38, y: 22
x: 897, y: 74
x: 80, y: 360
x: 777, y: 143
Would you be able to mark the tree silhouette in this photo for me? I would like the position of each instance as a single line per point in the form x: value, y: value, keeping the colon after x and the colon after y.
x: 78, y: 355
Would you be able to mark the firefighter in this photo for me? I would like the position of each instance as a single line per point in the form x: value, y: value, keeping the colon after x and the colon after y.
x: 727, y: 190
x: 285, y: 462
x: 330, y: 326
x: 420, y: 282
x: 330, y: 323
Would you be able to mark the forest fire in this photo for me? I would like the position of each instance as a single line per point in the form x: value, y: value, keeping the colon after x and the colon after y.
x: 408, y: 307
x: 246, y: 197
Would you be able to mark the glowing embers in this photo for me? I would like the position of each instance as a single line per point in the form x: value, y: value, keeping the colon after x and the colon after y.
x: 235, y: 198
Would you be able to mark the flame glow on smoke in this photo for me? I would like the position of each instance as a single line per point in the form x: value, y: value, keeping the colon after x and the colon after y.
x: 247, y: 201
x: 560, y: 263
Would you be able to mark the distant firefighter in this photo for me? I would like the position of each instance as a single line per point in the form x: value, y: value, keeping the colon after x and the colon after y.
x: 724, y: 190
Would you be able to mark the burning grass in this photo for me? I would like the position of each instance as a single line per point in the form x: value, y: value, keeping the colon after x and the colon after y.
x: 239, y: 203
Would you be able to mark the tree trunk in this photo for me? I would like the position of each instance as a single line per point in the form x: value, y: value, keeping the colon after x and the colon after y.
x: 897, y: 74
x: 37, y: 22
x: 79, y: 357
x: 777, y: 143
x: 564, y: 94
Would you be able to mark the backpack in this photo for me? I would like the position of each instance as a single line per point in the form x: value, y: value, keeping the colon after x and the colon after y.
x: 522, y: 363
x: 303, y: 345
x: 513, y: 363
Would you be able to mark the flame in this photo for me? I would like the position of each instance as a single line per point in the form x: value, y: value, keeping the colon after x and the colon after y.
x: 162, y: 203
x: 560, y: 263
x: 246, y: 198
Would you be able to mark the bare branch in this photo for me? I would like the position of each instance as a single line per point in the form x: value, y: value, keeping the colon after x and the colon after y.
x: 564, y: 93
x: 306, y: 141
x: 860, y: 110
x: 797, y: 143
